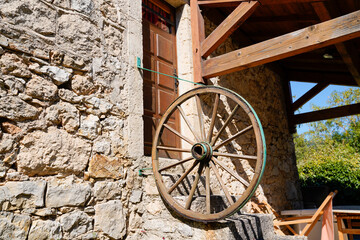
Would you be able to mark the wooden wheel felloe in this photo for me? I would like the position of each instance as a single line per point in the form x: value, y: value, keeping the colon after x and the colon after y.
x: 221, y: 159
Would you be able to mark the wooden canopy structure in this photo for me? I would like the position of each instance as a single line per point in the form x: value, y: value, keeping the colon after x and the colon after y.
x: 309, y: 40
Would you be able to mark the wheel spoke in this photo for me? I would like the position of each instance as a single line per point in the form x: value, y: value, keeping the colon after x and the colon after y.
x: 207, y: 185
x: 235, y: 175
x: 247, y: 157
x: 213, y: 117
x: 188, y: 123
x: 225, y: 124
x: 179, y: 134
x: 177, y: 163
x: 193, y: 188
x: 201, y: 119
x: 228, y: 196
x: 232, y: 137
x: 182, y: 177
x: 173, y: 149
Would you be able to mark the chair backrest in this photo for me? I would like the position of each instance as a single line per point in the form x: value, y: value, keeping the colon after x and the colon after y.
x: 318, y: 214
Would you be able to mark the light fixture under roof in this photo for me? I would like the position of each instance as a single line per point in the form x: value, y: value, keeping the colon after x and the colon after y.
x: 328, y: 56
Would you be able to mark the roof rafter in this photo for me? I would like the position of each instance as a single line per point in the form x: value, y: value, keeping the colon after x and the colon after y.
x: 330, y: 113
x: 344, y: 49
x: 317, y: 77
x: 275, y: 2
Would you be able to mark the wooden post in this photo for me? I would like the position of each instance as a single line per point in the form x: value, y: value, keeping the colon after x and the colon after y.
x: 197, y: 33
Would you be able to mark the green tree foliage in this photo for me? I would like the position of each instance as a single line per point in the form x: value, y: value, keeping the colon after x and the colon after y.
x: 329, y: 153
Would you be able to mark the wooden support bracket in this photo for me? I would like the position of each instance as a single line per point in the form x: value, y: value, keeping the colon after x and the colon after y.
x: 309, y: 95
x: 227, y: 27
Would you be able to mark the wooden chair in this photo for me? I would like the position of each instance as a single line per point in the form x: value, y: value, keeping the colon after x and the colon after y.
x: 309, y: 220
x: 349, y: 230
x: 265, y: 208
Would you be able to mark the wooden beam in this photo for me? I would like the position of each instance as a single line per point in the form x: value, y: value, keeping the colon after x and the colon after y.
x: 317, y: 77
x: 276, y: 2
x: 227, y: 27
x: 350, y: 57
x: 195, y: 33
x: 285, y: 18
x: 316, y: 66
x: 221, y: 3
x: 330, y: 113
x: 309, y: 95
x: 317, y: 36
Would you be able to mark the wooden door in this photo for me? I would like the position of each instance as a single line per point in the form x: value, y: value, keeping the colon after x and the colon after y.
x: 159, y: 55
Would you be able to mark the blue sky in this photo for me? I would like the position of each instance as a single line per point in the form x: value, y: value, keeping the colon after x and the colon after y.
x: 299, y: 88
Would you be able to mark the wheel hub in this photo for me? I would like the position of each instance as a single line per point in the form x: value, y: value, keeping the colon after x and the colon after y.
x: 202, y: 151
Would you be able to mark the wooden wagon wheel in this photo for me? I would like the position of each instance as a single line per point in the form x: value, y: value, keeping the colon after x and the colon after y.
x: 210, y: 152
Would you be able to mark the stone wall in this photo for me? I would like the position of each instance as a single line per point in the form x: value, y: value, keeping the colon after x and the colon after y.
x: 71, y: 132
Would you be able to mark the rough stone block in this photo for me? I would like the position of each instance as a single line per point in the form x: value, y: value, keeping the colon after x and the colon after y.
x: 82, y: 85
x: 136, y: 196
x: 15, y: 109
x: 4, y: 41
x: 52, y: 152
x: 65, y: 114
x: 90, y: 127
x: 13, y: 65
x: 84, y: 6
x: 10, y: 128
x: 32, y: 14
x: 14, y: 226
x: 103, y: 167
x: 14, y: 85
x: 45, y: 212
x: 16, y: 176
x: 110, y: 218
x: 45, y: 230
x: 107, y: 190
x: 67, y: 193
x: 75, y: 223
x: 41, y: 89
x: 7, y: 143
x: 58, y: 75
x: 112, y: 123
x: 19, y: 195
x: 77, y: 34
x: 69, y: 96
x: 102, y: 146
x: 3, y: 170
